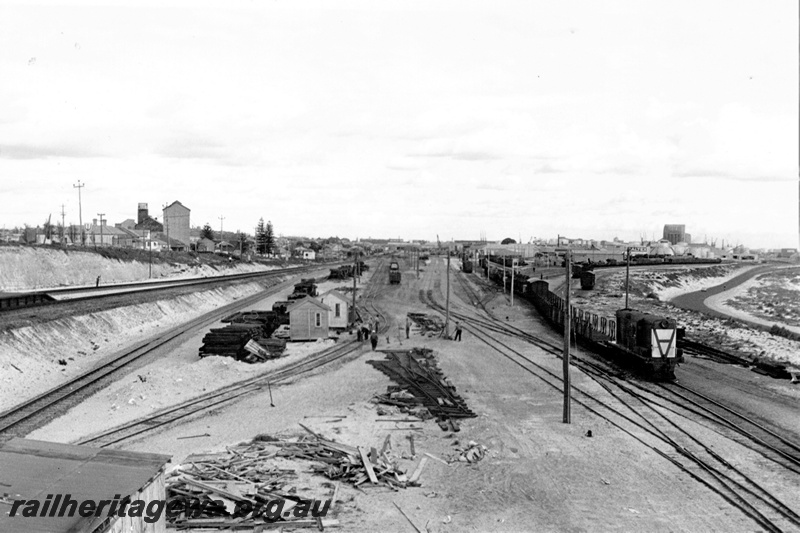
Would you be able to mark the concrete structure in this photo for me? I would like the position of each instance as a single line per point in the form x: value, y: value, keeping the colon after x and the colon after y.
x: 308, y: 320
x: 675, y: 233
x: 339, y: 317
x: 176, y: 222
x: 36, y: 470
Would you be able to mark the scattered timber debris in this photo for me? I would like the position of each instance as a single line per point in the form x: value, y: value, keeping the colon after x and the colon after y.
x: 472, y: 453
x: 306, y: 287
x: 421, y: 387
x: 428, y: 324
x: 347, y: 463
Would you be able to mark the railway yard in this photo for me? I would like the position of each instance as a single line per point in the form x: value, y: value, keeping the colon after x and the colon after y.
x: 421, y: 433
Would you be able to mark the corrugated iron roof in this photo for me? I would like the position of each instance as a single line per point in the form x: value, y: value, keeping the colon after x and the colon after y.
x: 307, y: 300
x: 32, y: 469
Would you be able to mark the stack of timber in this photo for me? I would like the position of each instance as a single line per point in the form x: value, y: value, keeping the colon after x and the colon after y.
x: 237, y: 340
x: 427, y: 323
x: 421, y: 382
x: 226, y: 490
x: 306, y: 287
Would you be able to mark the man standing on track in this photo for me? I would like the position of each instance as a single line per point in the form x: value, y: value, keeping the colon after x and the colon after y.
x: 408, y: 326
x: 458, y: 332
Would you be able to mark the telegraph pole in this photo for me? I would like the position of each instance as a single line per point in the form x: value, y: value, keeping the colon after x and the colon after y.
x: 79, y: 186
x: 101, y: 229
x: 567, y: 334
x: 221, y: 238
x: 63, y: 227
x: 166, y: 227
x: 627, y: 274
x: 512, y: 280
x: 355, y: 262
x: 447, y: 300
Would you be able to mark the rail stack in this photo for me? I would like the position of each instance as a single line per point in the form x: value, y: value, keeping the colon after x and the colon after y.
x: 417, y: 373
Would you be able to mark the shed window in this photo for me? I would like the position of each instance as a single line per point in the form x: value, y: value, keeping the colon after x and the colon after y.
x: 318, y: 319
x: 338, y: 310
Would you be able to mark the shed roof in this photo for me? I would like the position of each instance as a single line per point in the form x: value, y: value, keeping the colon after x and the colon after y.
x: 33, y: 469
x: 336, y: 294
x: 308, y: 300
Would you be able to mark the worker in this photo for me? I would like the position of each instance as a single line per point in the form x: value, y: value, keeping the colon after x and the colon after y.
x: 360, y: 333
x: 97, y: 284
x: 458, y: 332
x: 373, y: 339
x: 408, y: 326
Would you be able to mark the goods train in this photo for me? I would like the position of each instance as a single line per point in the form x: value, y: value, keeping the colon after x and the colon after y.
x: 643, y: 342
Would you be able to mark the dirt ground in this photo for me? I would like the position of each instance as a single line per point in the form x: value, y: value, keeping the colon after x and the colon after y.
x: 539, y: 475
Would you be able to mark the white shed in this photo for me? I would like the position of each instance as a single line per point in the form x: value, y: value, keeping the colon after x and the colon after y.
x: 339, y: 315
x: 308, y: 320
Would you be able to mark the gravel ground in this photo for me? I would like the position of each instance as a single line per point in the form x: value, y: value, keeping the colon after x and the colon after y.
x: 540, y: 474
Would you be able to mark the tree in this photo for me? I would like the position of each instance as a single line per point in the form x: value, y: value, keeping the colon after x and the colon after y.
x: 508, y: 240
x: 261, y: 237
x: 269, y: 238
x: 207, y: 232
x: 241, y: 240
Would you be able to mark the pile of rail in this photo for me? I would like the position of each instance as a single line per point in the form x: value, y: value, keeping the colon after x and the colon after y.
x: 227, y: 490
x: 354, y: 465
x: 427, y: 323
x: 421, y: 382
x: 245, y: 338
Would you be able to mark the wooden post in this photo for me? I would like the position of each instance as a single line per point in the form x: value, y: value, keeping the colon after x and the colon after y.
x: 447, y: 299
x: 627, y: 275
x: 512, y: 281
x: 567, y: 334
x: 355, y: 262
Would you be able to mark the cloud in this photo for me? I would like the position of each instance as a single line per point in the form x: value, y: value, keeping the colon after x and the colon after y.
x: 33, y: 151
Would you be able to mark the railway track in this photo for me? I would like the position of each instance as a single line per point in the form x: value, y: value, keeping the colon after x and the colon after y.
x: 666, y: 424
x: 221, y: 397
x: 9, y: 302
x: 25, y: 416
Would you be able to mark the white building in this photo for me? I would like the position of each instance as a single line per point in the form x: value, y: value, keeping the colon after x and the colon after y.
x: 339, y: 315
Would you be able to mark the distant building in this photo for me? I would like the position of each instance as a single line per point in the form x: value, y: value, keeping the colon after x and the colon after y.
x: 176, y: 222
x: 676, y: 233
x: 308, y: 320
x: 205, y: 245
x: 145, y: 221
x: 105, y: 235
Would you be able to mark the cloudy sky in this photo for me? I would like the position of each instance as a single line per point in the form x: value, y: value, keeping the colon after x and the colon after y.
x: 408, y: 119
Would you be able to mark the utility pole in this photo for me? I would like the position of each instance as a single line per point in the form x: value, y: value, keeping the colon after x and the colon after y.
x: 627, y: 274
x: 355, y: 262
x: 79, y: 186
x: 63, y: 227
x: 512, y: 280
x: 567, y: 335
x: 166, y: 227
x: 447, y: 300
x: 221, y: 238
x: 101, y: 229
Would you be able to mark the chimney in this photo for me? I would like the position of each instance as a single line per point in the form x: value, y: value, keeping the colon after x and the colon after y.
x: 94, y: 222
x: 142, y: 213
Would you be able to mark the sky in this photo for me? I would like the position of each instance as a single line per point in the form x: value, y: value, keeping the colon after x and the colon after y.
x: 408, y: 119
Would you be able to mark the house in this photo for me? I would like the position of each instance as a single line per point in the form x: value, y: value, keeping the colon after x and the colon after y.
x: 205, y: 245
x: 174, y: 244
x: 310, y: 255
x: 105, y: 235
x: 145, y: 221
x: 308, y: 320
x: 224, y: 247
x: 73, y: 479
x: 338, y: 317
